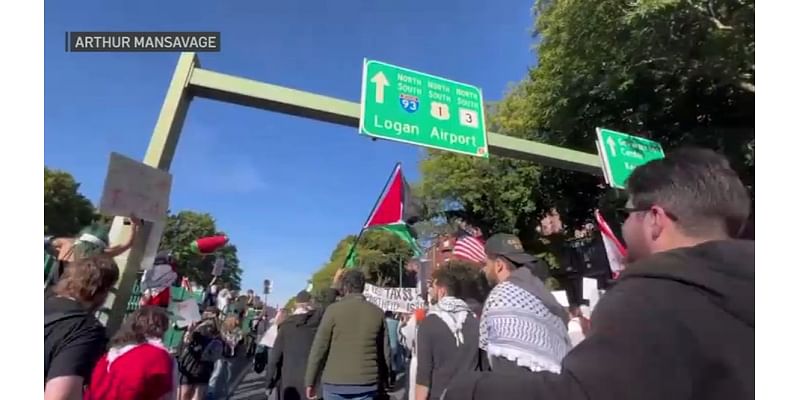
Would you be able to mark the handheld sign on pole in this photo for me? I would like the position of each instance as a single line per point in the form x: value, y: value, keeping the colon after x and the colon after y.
x: 413, y: 107
x: 219, y: 266
x: 621, y: 153
x: 134, y: 188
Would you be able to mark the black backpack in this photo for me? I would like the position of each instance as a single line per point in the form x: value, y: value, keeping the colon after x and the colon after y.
x: 50, y: 320
x: 190, y: 360
x: 260, y: 360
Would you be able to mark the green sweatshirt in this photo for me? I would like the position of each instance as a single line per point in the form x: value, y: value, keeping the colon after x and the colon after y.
x: 351, y: 346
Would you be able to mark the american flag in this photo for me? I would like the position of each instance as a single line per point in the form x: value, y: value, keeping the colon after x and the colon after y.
x: 469, y: 247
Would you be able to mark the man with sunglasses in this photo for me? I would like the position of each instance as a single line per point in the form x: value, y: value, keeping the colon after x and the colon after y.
x: 680, y: 322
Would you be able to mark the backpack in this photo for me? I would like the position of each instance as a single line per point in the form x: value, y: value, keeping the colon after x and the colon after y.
x: 260, y: 359
x: 51, y: 319
x: 198, y: 356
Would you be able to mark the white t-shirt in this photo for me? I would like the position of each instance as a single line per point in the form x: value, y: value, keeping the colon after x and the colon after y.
x: 270, y: 335
x: 408, y: 337
x: 223, y: 298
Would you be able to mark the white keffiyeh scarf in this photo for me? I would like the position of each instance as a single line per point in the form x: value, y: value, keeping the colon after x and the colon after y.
x: 453, y: 311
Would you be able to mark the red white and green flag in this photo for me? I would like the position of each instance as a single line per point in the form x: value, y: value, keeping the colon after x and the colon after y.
x: 396, y: 205
x: 395, y: 210
x: 615, y: 251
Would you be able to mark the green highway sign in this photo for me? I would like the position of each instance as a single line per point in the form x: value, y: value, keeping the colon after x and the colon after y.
x: 621, y: 153
x: 412, y: 107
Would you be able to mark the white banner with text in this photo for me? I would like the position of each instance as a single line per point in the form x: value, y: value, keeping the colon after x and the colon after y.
x: 395, y: 299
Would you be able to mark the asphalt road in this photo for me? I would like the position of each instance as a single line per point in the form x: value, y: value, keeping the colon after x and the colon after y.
x: 252, y: 386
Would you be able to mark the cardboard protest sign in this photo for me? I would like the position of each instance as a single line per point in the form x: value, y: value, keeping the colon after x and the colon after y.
x: 153, y: 243
x: 133, y: 188
x: 561, y: 297
x: 591, y: 293
x: 396, y: 299
x: 219, y: 266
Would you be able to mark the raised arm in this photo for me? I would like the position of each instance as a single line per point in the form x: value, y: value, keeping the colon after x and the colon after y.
x: 114, y: 251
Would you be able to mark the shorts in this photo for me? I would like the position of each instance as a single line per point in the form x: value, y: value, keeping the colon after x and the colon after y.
x: 196, y: 379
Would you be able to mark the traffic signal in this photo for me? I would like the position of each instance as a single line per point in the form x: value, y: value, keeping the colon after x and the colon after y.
x: 267, y: 286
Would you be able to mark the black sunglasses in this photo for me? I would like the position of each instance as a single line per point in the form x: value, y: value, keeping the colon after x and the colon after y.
x: 625, y: 212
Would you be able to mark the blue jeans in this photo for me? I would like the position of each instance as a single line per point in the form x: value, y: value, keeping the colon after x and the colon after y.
x: 349, y: 392
x: 220, y: 379
x: 398, y: 360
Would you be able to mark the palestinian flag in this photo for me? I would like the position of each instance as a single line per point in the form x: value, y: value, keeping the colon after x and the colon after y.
x: 395, y: 210
x: 351, y: 257
x: 396, y: 204
x: 402, y: 231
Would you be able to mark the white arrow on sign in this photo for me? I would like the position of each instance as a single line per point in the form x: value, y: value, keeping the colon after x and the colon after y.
x: 612, y: 146
x: 380, y: 82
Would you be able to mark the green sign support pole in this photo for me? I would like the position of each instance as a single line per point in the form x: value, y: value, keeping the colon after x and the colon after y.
x: 189, y: 81
x: 159, y: 154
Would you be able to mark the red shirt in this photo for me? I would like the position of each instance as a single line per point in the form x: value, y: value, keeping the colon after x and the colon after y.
x: 162, y: 299
x: 137, y: 372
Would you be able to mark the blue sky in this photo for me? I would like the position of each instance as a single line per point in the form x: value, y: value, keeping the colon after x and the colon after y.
x: 285, y: 189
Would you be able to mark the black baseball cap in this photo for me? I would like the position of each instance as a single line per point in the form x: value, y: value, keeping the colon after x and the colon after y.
x: 302, y: 297
x: 508, y: 246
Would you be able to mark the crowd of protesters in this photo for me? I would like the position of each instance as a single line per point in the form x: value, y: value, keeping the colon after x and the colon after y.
x: 81, y: 362
x: 678, y: 323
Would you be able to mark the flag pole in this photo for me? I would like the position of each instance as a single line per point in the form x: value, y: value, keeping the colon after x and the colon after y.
x: 400, y: 259
x: 377, y: 201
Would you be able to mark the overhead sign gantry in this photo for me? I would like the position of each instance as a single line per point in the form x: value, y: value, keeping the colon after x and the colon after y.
x: 190, y: 80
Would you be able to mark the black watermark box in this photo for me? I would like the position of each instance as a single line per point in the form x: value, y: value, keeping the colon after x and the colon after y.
x: 142, y: 41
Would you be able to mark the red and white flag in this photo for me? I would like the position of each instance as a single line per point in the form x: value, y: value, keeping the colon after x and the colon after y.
x: 615, y: 251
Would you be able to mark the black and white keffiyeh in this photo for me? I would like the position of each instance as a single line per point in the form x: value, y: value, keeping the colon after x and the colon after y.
x: 517, y: 326
x: 453, y: 311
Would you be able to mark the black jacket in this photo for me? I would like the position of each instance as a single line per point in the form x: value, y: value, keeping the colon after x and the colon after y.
x: 289, y: 356
x: 677, y: 325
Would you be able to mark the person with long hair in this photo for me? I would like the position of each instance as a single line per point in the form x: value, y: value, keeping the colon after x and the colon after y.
x: 202, y: 347
x: 137, y: 365
x: 232, y: 336
x: 73, y: 337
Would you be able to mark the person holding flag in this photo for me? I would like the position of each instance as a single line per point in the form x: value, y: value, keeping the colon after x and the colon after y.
x: 395, y: 211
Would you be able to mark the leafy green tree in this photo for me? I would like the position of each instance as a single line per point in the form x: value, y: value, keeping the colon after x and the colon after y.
x: 323, y: 278
x: 290, y: 304
x: 678, y: 71
x: 184, y: 228
x: 66, y: 210
x: 380, y: 254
